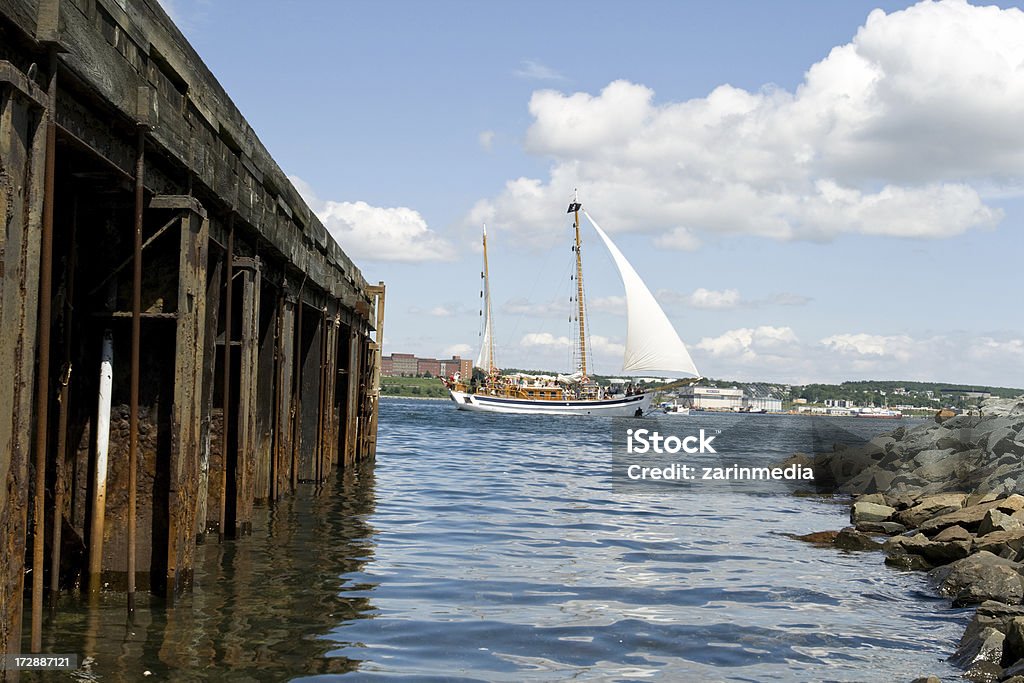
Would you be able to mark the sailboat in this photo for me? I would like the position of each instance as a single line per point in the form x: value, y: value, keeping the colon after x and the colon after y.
x: 652, y: 344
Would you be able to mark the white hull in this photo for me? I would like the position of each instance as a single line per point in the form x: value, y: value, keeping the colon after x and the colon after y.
x: 625, y: 406
x: 678, y: 412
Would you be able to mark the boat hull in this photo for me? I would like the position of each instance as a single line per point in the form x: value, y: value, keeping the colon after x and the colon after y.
x: 626, y: 406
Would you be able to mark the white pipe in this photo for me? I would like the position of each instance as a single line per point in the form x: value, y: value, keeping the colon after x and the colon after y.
x: 99, y: 504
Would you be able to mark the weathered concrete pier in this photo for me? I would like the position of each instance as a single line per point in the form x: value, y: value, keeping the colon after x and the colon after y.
x: 180, y: 337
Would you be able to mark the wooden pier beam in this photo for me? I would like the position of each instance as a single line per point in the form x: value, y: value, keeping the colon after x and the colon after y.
x: 22, y: 152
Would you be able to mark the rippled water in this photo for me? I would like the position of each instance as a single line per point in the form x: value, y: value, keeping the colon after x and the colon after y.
x: 494, y: 548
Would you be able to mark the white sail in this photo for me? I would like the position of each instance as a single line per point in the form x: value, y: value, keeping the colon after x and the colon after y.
x: 485, y: 359
x: 651, y: 341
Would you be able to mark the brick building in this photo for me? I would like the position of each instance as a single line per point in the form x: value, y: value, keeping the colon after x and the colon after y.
x: 408, y: 365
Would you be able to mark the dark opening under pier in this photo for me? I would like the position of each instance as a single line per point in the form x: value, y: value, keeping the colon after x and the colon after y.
x: 180, y: 337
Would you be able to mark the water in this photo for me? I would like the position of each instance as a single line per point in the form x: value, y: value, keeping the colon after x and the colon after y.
x: 493, y: 548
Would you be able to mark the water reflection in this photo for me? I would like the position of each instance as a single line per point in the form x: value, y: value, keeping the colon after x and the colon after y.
x: 257, y: 606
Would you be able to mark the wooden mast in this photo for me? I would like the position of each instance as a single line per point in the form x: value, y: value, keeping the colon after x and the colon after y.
x: 580, y: 315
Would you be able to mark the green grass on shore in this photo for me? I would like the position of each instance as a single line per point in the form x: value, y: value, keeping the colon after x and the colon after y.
x: 416, y: 387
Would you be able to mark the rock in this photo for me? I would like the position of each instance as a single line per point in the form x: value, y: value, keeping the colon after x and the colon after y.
x: 1003, y: 406
x: 851, y: 539
x: 930, y: 506
x: 979, y: 577
x: 870, y: 512
x: 953, y: 533
x: 996, y: 520
x: 1006, y: 544
x: 978, y: 498
x: 927, y: 679
x: 1013, y: 673
x: 1013, y: 645
x: 876, y: 498
x: 999, y: 610
x: 887, y: 528
x: 816, y: 537
x: 937, y: 553
x: 971, y: 517
x: 979, y: 644
x: 984, y: 672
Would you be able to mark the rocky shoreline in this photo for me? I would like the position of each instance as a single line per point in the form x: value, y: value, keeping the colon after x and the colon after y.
x: 945, y: 497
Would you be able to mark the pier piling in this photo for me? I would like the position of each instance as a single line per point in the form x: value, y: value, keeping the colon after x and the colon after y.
x: 117, y: 147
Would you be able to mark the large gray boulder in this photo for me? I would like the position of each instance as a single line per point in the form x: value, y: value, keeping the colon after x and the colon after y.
x: 979, y: 577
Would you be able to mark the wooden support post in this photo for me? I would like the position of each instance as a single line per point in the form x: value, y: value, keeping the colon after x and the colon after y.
x: 214, y: 282
x: 248, y: 378
x: 43, y: 371
x: 296, y: 423
x: 188, y: 405
x: 133, y: 414
x: 285, y: 366
x: 321, y: 405
x: 22, y: 155
x: 229, y: 275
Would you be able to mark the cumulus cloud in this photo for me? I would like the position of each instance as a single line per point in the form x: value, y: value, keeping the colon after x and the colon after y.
x: 748, y: 344
x: 461, y: 350
x: 705, y: 298
x: 891, y: 134
x: 377, y: 233
x: 778, y: 354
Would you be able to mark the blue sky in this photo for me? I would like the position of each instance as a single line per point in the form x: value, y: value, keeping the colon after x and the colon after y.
x: 816, y: 191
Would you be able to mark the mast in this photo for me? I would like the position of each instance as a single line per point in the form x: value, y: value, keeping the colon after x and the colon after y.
x: 574, y: 209
x: 488, y: 332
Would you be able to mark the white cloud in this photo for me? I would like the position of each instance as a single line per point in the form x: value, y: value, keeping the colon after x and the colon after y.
x: 535, y: 71
x: 485, y: 138
x: 711, y: 299
x: 901, y: 347
x: 777, y: 354
x: 461, y: 350
x: 891, y: 134
x: 749, y: 344
x: 545, y: 339
x: 377, y: 233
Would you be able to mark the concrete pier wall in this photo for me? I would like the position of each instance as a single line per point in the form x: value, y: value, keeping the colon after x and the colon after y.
x: 257, y: 338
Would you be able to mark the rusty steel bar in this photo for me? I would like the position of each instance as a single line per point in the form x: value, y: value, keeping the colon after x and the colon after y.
x: 43, y: 383
x: 133, y: 414
x: 62, y: 420
x: 229, y: 274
